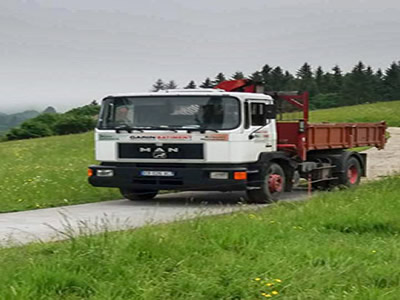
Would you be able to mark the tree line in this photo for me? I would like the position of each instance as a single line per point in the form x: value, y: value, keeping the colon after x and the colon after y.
x: 77, y: 120
x: 327, y: 89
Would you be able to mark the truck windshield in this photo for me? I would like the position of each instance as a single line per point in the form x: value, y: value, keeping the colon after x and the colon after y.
x: 174, y: 112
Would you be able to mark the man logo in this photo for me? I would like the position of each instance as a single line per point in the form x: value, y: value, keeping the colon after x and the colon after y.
x: 159, y: 153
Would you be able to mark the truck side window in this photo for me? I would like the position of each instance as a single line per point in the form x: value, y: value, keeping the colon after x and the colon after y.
x: 257, y: 114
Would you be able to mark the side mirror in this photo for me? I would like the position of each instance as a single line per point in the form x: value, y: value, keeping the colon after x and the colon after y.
x: 270, y: 111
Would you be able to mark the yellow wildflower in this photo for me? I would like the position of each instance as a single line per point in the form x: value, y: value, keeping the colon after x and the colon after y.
x: 257, y: 279
x: 278, y: 280
x: 269, y: 284
x: 274, y: 293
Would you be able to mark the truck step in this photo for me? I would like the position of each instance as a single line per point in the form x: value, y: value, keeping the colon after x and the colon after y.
x: 253, y: 171
x: 251, y: 188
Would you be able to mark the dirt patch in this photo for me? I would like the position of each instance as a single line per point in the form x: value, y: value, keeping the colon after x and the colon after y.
x: 385, y: 162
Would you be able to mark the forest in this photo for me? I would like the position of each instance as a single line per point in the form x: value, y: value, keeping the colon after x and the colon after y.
x: 327, y: 89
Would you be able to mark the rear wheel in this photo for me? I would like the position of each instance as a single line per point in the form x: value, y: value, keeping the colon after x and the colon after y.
x: 138, y: 195
x: 272, y: 185
x: 351, y: 174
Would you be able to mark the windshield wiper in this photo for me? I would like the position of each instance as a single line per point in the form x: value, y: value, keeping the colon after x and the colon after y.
x: 162, y: 127
x: 201, y: 130
x: 129, y: 129
x: 126, y: 127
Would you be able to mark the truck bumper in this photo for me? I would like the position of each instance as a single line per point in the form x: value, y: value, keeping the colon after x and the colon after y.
x: 195, y: 179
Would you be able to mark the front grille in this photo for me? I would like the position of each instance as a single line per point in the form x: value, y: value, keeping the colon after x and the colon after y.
x: 165, y: 151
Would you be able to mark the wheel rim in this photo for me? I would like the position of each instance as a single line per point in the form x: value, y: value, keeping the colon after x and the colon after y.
x: 275, y: 183
x: 352, y: 174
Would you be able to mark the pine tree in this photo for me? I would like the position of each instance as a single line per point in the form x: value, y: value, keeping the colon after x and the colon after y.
x: 171, y: 85
x: 191, y: 85
x: 392, y: 81
x: 218, y: 79
x: 319, y: 79
x: 379, y: 74
x: 357, y: 85
x: 158, y: 86
x: 373, y: 85
x: 380, y: 87
x: 266, y: 75
x: 206, y: 84
x: 336, y: 80
x: 305, y: 72
x: 289, y: 82
x: 266, y: 71
x: 277, y: 80
x: 256, y: 77
x: 238, y: 75
x: 305, y: 80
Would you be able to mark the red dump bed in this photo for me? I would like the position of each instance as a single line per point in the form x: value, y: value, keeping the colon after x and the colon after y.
x: 300, y: 137
x: 324, y: 136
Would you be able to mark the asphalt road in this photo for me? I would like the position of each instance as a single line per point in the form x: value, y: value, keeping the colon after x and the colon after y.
x: 59, y: 223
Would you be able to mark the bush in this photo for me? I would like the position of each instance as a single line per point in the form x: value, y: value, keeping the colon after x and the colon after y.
x: 48, y: 119
x: 70, y: 123
x: 76, y: 120
x: 30, y: 129
x: 87, y: 110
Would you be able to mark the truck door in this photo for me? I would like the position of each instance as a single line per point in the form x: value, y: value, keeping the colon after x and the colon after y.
x: 260, y: 125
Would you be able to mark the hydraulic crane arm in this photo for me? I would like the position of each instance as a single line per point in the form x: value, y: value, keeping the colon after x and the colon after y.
x: 249, y: 86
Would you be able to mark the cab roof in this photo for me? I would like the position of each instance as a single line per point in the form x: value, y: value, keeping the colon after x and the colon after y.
x: 197, y: 92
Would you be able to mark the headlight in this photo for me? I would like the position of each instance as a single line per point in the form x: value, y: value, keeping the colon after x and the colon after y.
x: 219, y: 175
x: 105, y: 172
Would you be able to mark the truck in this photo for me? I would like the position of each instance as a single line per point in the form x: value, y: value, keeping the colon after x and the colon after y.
x: 230, y: 138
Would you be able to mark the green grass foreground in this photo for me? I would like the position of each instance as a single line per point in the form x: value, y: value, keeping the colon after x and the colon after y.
x: 340, y: 245
x: 48, y: 172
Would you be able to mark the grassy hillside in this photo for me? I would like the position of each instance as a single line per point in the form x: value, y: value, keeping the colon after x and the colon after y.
x: 388, y: 111
x: 51, y: 171
x: 340, y: 245
x: 48, y: 172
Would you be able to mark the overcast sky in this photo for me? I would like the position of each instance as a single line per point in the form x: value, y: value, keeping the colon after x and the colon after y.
x: 67, y: 53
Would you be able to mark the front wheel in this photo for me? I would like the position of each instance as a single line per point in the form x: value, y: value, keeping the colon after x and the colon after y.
x: 272, y: 185
x: 138, y: 195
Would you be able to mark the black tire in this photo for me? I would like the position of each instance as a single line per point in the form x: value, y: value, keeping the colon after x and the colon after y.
x: 138, y: 195
x: 272, y: 185
x: 351, y: 173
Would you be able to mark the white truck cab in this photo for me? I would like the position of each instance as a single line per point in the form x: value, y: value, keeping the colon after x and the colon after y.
x: 199, y: 139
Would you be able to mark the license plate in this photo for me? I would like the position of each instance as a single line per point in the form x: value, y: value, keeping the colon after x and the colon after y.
x: 157, y: 173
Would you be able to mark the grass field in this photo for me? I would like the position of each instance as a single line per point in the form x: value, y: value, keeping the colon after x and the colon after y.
x: 51, y: 171
x: 48, y: 172
x: 375, y: 112
x: 342, y: 245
